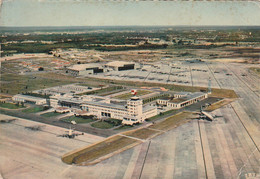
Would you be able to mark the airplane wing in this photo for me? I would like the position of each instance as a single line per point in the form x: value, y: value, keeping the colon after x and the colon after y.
x: 207, y: 115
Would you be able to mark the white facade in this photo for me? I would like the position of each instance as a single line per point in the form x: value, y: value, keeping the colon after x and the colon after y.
x: 131, y: 113
x: 29, y: 99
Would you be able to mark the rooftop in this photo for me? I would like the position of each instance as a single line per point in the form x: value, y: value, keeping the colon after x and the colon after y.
x: 27, y: 97
x: 81, y: 67
x: 188, y: 97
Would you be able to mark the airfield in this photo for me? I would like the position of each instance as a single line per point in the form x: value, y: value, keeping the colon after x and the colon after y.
x: 228, y: 147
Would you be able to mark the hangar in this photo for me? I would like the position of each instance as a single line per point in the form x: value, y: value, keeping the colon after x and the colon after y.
x: 120, y: 65
x: 84, y: 69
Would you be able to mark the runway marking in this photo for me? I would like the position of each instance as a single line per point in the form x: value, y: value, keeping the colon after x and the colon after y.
x: 131, y: 137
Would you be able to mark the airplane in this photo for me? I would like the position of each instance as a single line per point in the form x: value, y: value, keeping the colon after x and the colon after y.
x: 70, y: 133
x: 205, y: 115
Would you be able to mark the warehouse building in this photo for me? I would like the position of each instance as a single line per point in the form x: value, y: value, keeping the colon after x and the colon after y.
x: 120, y: 65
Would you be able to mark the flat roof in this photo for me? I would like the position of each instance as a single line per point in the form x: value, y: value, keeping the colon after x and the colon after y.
x: 108, y: 105
x: 187, y: 98
x: 28, y: 97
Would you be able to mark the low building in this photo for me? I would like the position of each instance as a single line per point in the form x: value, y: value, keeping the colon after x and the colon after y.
x: 66, y: 89
x: 182, y: 99
x: 84, y: 69
x: 29, y: 99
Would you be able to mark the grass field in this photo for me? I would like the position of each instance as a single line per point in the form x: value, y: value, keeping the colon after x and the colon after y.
x: 78, y: 119
x: 16, y: 83
x: 102, y: 125
x: 11, y: 106
x: 143, y: 133
x: 50, y: 114
x: 34, y: 109
x: 129, y: 95
x: 172, y: 121
x: 98, y: 150
x: 218, y: 104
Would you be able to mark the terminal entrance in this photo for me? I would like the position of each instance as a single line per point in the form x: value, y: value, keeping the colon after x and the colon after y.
x: 105, y: 114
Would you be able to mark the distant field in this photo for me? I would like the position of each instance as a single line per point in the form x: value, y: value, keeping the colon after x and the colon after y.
x: 16, y: 83
x: 11, y: 106
x: 129, y: 95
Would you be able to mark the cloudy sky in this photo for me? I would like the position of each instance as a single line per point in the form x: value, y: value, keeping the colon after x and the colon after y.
x: 104, y: 13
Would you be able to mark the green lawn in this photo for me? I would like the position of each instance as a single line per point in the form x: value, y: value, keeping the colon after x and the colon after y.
x: 50, y: 114
x: 10, y: 106
x: 34, y: 109
x: 78, y: 119
x: 114, y: 122
x: 102, y: 125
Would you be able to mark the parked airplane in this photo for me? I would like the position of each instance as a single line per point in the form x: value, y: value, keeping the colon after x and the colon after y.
x: 70, y: 133
x: 205, y: 115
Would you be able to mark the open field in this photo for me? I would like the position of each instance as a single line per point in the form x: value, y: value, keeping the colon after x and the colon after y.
x: 24, y: 83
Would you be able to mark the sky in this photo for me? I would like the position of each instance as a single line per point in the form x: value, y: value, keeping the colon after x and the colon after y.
x: 127, y: 13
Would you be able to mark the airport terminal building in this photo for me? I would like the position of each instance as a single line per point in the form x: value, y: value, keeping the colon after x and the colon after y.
x: 132, y: 112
